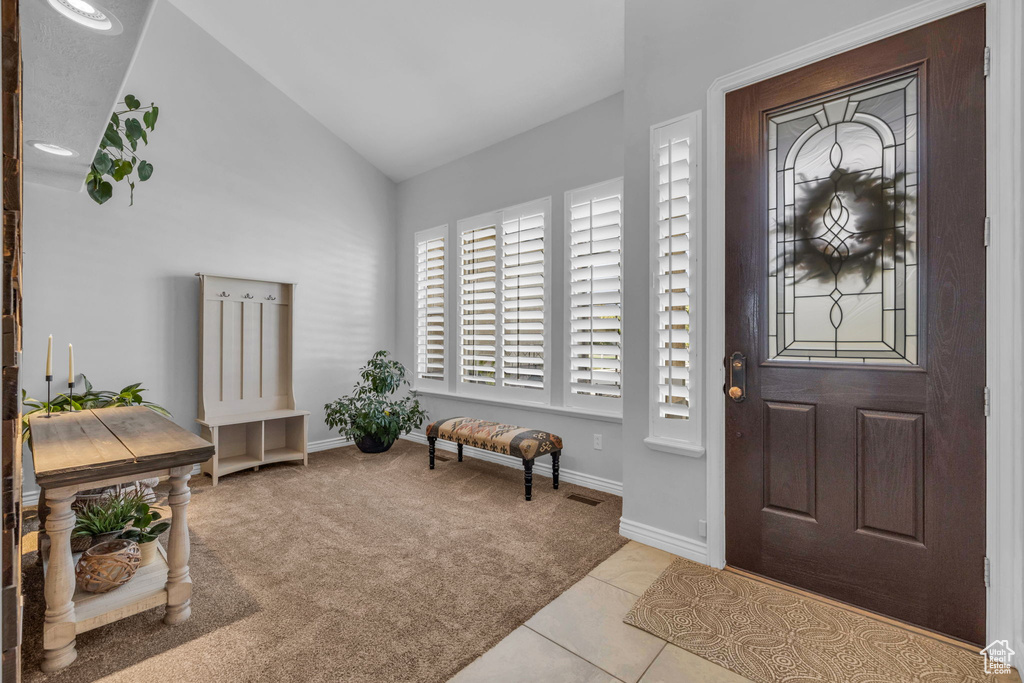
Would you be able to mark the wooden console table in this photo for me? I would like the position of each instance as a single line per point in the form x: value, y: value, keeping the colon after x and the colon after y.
x: 89, y: 449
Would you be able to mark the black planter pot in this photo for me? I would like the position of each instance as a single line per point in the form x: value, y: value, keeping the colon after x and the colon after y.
x: 370, y: 444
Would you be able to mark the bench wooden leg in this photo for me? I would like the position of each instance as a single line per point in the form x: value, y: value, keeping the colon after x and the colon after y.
x: 460, y: 452
x: 528, y: 469
x: 554, y: 468
x: 430, y: 443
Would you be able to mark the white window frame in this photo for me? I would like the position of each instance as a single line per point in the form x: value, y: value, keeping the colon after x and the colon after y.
x: 498, y: 218
x: 440, y: 232
x: 685, y: 437
x: 572, y: 400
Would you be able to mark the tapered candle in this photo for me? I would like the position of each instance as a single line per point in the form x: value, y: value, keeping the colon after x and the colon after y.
x: 49, y: 357
x: 71, y: 365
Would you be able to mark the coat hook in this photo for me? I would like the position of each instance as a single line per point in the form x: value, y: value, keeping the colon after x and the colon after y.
x: 247, y: 295
x: 223, y: 294
x: 271, y: 297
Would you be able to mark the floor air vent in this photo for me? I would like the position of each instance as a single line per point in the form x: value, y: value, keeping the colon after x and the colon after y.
x: 583, y: 499
x: 442, y: 458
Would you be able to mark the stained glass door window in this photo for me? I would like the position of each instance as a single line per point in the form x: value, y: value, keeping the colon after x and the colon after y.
x: 842, y: 227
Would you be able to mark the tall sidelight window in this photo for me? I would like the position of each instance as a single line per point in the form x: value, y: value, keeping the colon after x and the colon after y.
x: 674, y: 216
x: 594, y: 296
x: 430, y: 304
x: 503, y: 295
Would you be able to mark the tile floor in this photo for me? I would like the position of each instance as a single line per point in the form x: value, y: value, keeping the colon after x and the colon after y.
x: 580, y: 637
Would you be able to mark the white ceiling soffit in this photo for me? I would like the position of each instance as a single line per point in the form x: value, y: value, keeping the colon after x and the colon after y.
x: 413, y: 84
x: 73, y: 76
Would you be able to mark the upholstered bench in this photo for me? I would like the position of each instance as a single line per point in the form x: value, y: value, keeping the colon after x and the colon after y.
x: 499, y: 438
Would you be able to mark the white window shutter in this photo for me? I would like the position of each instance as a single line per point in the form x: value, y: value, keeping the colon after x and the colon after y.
x: 430, y: 304
x: 674, y: 150
x: 595, y: 294
x: 478, y: 332
x: 523, y: 298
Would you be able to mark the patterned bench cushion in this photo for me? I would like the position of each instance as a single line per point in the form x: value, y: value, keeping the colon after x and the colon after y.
x: 494, y: 436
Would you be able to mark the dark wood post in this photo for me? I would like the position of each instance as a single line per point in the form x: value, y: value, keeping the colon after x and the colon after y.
x: 431, y: 440
x: 528, y: 469
x: 554, y: 468
x: 460, y: 452
x: 10, y: 310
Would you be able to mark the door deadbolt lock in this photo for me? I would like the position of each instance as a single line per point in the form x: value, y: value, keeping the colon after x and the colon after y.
x: 737, y: 388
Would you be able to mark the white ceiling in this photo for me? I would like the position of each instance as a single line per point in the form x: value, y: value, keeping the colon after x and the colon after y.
x: 73, y: 76
x: 413, y: 84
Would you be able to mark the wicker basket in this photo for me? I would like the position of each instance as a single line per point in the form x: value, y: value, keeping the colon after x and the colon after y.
x: 79, y: 544
x: 107, y: 566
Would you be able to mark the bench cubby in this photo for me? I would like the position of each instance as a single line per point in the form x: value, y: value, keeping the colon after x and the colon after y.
x: 246, y: 399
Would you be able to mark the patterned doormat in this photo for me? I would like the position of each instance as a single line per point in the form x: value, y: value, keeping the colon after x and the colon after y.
x: 768, y: 634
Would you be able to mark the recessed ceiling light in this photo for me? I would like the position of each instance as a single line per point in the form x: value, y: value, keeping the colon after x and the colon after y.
x: 87, y: 14
x: 51, y: 148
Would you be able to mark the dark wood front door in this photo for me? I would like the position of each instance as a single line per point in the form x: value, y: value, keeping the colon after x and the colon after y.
x: 855, y: 270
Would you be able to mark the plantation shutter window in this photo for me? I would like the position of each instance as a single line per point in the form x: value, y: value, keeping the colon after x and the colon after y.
x: 522, y: 298
x: 478, y: 332
x: 430, y: 304
x: 594, y: 296
x: 503, y: 295
x: 674, y: 159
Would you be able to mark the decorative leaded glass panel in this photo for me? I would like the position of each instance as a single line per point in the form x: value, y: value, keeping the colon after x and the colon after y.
x: 842, y: 227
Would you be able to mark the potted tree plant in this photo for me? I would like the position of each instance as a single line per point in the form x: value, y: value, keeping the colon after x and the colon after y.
x: 372, y: 416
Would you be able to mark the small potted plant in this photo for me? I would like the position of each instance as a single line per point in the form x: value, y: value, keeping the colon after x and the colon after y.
x: 144, y: 532
x: 372, y: 416
x: 104, y: 520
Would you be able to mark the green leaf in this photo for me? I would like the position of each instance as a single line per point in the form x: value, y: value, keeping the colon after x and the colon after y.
x: 145, y: 170
x: 122, y: 169
x: 99, y: 190
x: 132, y: 102
x: 115, y: 119
x: 160, y: 528
x: 101, y: 162
x: 133, y: 129
x: 112, y: 137
x: 134, y: 144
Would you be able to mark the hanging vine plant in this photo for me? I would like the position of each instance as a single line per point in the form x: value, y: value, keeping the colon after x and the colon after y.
x: 117, y: 156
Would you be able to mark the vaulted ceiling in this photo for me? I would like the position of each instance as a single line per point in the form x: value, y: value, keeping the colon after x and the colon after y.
x: 413, y: 84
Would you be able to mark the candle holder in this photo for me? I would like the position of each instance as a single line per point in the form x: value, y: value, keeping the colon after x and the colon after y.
x: 49, y: 381
x: 71, y: 401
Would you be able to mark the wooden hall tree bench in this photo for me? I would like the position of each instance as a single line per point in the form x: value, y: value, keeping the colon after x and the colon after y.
x: 499, y: 438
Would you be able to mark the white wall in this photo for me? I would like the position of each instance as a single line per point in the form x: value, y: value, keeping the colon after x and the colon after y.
x: 246, y: 183
x: 574, y: 151
x: 674, y: 50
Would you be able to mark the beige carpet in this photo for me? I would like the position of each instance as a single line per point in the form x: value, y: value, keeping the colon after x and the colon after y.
x: 355, y: 568
x: 769, y: 634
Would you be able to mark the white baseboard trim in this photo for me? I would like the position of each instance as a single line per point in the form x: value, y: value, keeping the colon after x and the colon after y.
x: 327, y: 444
x: 683, y: 546
x: 542, y: 468
x: 29, y: 498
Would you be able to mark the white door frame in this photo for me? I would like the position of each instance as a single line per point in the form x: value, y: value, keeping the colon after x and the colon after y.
x: 1005, y: 287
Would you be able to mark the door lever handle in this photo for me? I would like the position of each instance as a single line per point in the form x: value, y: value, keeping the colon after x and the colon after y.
x: 737, y: 387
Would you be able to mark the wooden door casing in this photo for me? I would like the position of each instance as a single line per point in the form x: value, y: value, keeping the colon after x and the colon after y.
x: 867, y: 484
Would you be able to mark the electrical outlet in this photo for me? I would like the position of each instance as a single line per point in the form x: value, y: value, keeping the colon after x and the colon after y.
x: 597, y: 442
x: 702, y: 528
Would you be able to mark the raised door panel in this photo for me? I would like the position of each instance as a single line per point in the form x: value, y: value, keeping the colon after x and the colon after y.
x: 789, y: 458
x: 890, y: 474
